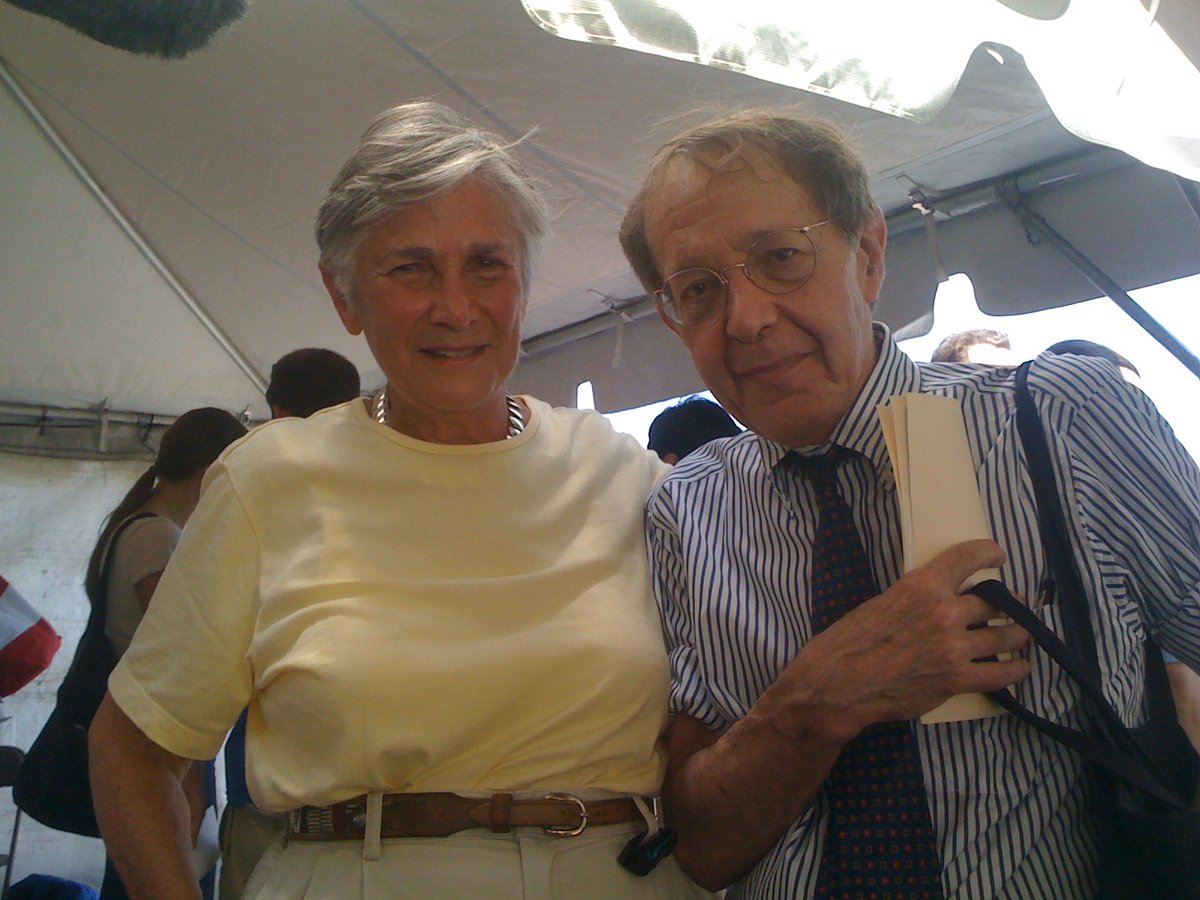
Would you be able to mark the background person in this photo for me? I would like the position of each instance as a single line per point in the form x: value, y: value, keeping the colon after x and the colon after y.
x: 979, y: 345
x: 689, y: 424
x: 169, y: 490
x: 801, y: 654
x: 435, y: 603
x: 310, y: 379
x: 1080, y: 347
x: 302, y: 382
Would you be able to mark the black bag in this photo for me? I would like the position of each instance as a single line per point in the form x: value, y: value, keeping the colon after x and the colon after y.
x: 52, y: 785
x: 1149, y: 832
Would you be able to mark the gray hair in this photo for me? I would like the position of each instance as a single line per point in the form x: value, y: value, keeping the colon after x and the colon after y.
x: 412, y: 154
x: 811, y: 152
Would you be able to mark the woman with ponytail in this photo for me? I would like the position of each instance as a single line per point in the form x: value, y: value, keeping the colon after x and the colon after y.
x: 169, y: 490
x: 160, y: 502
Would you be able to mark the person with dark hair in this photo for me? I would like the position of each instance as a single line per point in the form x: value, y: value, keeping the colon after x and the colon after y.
x: 435, y: 602
x: 310, y: 379
x: 160, y: 502
x: 302, y: 382
x: 803, y: 654
x: 979, y: 345
x: 170, y: 489
x: 1080, y: 347
x: 689, y: 424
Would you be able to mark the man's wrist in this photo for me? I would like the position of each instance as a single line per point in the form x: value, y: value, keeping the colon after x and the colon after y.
x: 797, y: 708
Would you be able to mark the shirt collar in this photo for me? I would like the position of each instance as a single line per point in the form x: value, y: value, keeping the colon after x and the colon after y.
x: 859, y: 430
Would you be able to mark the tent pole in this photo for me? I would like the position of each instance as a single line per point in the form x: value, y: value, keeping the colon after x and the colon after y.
x: 1039, y: 226
x: 193, y: 305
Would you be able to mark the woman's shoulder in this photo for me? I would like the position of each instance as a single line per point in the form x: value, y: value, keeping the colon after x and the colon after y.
x: 148, y: 535
x: 280, y: 439
x: 148, y: 526
x: 586, y: 423
x: 587, y: 433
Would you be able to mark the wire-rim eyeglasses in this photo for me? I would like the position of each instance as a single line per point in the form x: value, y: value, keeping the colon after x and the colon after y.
x: 778, y: 262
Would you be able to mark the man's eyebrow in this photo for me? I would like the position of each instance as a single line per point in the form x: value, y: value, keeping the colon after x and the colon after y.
x: 760, y: 233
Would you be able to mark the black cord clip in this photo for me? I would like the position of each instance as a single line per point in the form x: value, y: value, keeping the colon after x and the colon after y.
x: 645, y: 851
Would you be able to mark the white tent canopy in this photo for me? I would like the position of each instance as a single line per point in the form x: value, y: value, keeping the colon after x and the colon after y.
x: 156, y: 250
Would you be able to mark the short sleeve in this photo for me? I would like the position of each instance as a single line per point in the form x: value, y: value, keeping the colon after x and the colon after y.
x: 1150, y: 506
x: 1135, y: 502
x: 689, y: 694
x: 186, y: 676
x: 145, y: 548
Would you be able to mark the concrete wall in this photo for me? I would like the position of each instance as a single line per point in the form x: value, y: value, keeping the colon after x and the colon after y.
x: 50, y: 515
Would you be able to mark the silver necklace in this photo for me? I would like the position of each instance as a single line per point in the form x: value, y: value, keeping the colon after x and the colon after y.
x: 381, y: 409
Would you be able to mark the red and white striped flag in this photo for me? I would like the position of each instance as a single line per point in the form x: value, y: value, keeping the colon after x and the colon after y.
x: 27, y: 642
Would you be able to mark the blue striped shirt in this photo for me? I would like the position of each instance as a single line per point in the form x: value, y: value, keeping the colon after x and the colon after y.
x: 731, y: 534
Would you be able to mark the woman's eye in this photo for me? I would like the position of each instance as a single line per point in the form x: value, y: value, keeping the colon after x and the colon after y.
x: 490, y: 266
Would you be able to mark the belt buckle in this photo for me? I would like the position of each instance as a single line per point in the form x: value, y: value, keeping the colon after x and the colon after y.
x: 564, y: 830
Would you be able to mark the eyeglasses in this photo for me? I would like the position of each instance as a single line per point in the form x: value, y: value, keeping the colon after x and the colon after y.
x: 778, y: 262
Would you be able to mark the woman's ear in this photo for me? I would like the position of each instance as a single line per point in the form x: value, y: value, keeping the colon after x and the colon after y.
x: 346, y: 308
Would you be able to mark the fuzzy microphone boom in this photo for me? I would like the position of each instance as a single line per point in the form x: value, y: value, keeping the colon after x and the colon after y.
x: 168, y: 28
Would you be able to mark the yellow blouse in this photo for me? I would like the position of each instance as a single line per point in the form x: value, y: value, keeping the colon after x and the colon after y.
x: 405, y: 616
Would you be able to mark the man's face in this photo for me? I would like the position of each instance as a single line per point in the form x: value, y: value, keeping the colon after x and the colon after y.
x: 788, y: 366
x: 440, y: 295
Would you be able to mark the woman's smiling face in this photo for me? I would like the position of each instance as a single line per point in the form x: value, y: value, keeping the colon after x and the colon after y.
x: 439, y: 293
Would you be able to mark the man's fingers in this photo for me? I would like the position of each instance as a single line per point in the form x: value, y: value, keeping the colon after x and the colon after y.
x: 956, y: 563
x: 995, y: 675
x: 995, y: 639
x: 976, y: 611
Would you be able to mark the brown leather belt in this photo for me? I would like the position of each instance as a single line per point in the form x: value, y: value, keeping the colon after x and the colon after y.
x: 442, y: 814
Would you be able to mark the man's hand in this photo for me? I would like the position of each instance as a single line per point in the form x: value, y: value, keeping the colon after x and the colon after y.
x: 902, y: 653
x: 731, y: 796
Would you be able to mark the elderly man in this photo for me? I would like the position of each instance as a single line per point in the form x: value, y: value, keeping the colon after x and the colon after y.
x: 765, y: 251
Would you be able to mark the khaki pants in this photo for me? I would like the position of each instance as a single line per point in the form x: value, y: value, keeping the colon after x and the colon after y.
x: 246, y: 834
x: 524, y: 864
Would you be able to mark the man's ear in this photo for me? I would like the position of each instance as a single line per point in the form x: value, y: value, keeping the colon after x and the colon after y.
x: 871, y: 244
x: 346, y: 308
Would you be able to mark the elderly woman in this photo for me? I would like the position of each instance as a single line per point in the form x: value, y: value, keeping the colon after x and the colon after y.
x: 435, y: 603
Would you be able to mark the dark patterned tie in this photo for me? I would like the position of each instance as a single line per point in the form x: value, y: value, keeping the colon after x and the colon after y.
x: 879, y: 841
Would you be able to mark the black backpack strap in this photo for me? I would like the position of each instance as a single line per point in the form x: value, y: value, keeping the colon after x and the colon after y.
x: 1056, y: 541
x: 1160, y: 705
x: 83, y: 686
x: 100, y: 601
x: 1109, y: 744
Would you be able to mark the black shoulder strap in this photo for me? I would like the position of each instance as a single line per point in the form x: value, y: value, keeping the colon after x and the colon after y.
x: 100, y: 601
x: 1056, y: 541
x: 1109, y: 744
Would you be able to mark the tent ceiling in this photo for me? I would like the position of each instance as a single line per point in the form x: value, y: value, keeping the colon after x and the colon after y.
x: 217, y: 163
